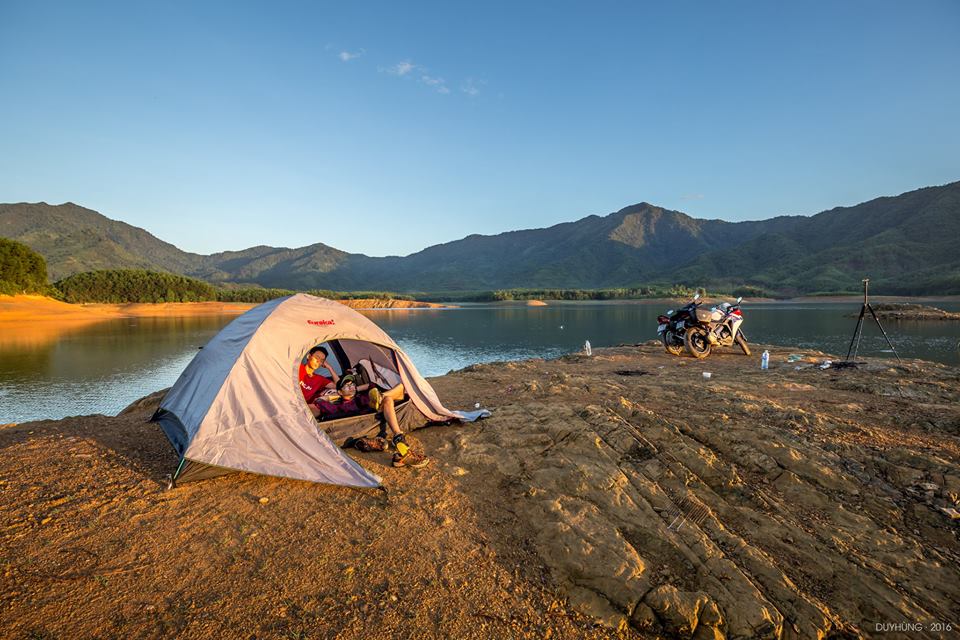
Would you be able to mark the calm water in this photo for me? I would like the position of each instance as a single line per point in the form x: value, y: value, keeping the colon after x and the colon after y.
x: 104, y: 367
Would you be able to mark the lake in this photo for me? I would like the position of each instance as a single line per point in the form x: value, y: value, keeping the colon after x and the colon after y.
x: 102, y: 368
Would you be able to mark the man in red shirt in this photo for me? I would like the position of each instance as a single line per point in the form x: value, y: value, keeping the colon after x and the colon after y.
x: 312, y: 383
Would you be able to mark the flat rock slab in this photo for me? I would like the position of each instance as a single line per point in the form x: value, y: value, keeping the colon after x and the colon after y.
x: 756, y: 504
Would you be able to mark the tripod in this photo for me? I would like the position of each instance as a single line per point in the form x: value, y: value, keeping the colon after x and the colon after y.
x: 859, y: 330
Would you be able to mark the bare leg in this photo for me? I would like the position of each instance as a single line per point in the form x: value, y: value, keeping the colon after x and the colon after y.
x: 396, y: 393
x: 404, y: 456
x: 390, y: 398
x: 390, y: 414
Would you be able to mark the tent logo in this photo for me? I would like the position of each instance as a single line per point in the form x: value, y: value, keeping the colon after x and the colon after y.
x: 320, y: 323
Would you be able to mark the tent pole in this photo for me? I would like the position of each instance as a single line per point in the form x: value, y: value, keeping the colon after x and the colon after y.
x: 172, y: 484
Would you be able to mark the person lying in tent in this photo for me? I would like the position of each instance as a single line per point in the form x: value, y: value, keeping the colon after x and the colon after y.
x: 353, y: 399
x: 312, y: 383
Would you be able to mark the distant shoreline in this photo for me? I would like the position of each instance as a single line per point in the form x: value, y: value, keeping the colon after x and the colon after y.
x: 710, y: 300
x: 23, y: 309
x: 31, y: 308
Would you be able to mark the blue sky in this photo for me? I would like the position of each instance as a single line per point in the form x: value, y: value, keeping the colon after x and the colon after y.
x: 383, y: 128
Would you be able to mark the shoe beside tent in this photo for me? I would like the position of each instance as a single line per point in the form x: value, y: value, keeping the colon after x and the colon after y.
x: 238, y: 405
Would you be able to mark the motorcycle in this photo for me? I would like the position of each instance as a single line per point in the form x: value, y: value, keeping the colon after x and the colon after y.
x: 673, y: 326
x: 716, y: 327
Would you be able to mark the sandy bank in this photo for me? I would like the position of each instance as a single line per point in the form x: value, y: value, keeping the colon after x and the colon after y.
x: 16, y: 309
x: 779, y: 504
x: 28, y: 309
x: 376, y: 303
x: 38, y: 320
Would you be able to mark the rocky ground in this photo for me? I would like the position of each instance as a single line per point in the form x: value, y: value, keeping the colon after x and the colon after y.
x: 622, y: 488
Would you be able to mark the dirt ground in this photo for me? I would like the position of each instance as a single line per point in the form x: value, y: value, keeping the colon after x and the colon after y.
x: 623, y: 489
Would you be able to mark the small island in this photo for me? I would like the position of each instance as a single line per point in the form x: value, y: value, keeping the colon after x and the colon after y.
x: 901, y: 311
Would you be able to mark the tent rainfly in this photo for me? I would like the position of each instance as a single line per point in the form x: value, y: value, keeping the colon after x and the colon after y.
x: 238, y: 405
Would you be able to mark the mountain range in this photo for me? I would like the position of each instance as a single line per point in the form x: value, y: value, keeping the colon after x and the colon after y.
x: 906, y: 244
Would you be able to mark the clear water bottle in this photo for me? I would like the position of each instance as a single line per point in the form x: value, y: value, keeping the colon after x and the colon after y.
x: 765, y: 360
x: 587, y: 349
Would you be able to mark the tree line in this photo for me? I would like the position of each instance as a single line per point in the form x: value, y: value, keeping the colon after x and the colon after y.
x: 138, y: 285
x: 22, y: 270
x: 618, y: 293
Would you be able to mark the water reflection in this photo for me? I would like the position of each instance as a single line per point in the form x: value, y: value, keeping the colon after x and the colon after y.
x: 95, y: 368
x: 439, y: 341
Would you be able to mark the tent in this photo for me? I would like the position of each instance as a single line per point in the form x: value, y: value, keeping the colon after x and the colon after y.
x: 238, y: 405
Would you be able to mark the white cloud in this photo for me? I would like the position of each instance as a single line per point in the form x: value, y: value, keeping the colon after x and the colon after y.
x: 471, y: 87
x: 407, y: 68
x: 347, y: 56
x: 437, y: 83
x: 401, y: 68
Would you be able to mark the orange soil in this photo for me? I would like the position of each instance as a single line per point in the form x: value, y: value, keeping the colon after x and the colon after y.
x: 377, y: 303
x: 36, y: 320
x: 30, y: 309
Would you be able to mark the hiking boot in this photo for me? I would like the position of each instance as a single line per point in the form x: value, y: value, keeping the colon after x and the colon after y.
x: 376, y: 398
x: 371, y: 444
x: 412, y: 460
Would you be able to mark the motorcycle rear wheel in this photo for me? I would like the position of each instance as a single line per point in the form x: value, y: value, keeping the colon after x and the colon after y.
x: 669, y: 346
x: 740, y: 340
x: 697, y: 343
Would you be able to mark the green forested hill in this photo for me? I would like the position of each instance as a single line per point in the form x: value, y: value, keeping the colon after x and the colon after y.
x: 905, y: 243
x: 75, y: 239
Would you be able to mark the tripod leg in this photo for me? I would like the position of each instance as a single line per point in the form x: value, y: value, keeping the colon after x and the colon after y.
x: 884, y: 333
x: 856, y: 333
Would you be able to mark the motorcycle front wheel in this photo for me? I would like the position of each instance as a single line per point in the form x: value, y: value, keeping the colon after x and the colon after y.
x: 697, y: 343
x: 740, y: 340
x: 669, y: 345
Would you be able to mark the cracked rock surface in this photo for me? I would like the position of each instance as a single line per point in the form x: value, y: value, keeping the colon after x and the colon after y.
x: 757, y: 504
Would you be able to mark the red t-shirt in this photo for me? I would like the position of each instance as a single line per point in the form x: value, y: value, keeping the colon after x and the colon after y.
x: 311, y: 385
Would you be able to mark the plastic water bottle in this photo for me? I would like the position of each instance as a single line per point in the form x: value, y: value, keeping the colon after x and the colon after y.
x: 587, y: 349
x: 765, y: 360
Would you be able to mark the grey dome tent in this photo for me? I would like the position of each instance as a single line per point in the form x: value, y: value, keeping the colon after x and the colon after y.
x: 238, y: 405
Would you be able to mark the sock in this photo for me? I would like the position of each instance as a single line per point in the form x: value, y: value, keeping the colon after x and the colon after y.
x: 400, y: 443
